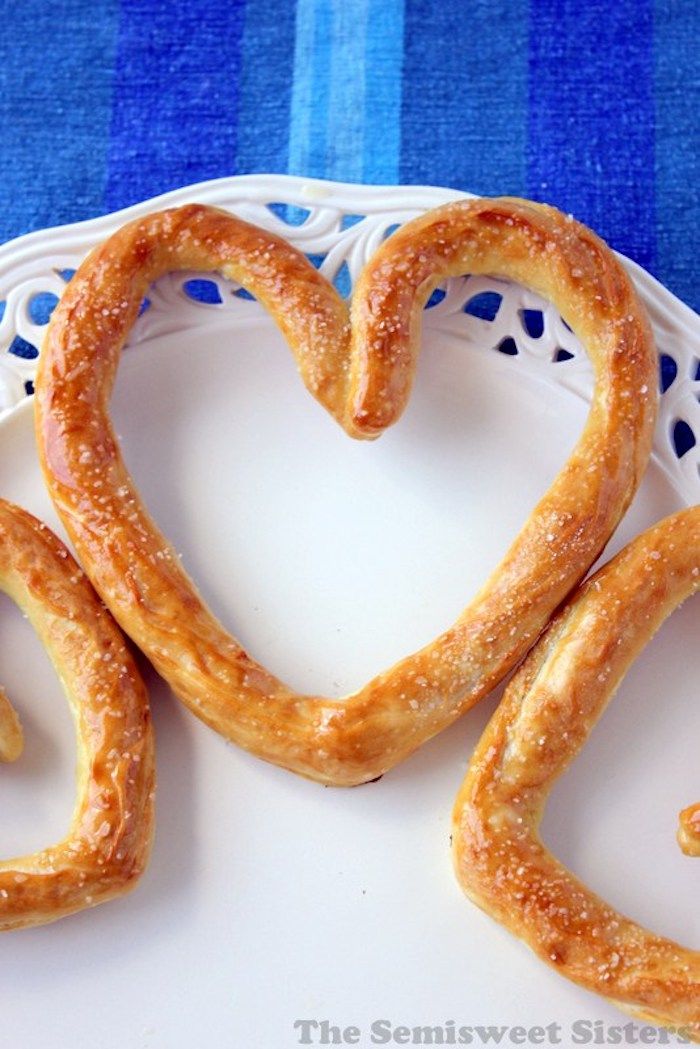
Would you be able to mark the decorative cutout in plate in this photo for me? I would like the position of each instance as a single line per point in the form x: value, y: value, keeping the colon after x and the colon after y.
x: 324, y: 221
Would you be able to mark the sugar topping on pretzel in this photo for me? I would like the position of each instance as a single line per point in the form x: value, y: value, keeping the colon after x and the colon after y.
x: 543, y: 721
x: 109, y: 839
x: 360, y: 366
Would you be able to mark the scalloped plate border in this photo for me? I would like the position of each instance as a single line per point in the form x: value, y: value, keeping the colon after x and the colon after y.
x: 32, y: 263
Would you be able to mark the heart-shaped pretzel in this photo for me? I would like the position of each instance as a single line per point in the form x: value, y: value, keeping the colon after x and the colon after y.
x: 542, y: 722
x: 109, y: 840
x: 362, y: 373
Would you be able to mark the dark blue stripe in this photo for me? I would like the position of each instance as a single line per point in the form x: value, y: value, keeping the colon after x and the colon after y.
x: 464, y: 112
x: 677, y: 31
x: 55, y: 107
x: 267, y: 69
x: 175, y: 96
x: 591, y: 137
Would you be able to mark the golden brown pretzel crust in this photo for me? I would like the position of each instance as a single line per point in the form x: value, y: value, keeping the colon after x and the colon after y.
x: 362, y: 374
x: 110, y: 835
x: 543, y: 721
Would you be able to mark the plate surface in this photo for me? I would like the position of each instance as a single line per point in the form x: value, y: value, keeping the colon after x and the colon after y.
x: 270, y: 900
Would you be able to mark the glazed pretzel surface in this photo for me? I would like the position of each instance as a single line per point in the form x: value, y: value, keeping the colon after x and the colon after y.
x: 360, y: 367
x: 109, y: 840
x: 542, y: 722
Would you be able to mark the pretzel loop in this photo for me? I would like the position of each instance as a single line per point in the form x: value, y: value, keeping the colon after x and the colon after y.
x: 542, y: 722
x: 109, y: 840
x: 362, y: 374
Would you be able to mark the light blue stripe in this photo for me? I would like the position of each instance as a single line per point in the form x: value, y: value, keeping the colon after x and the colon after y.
x: 301, y: 109
x: 320, y: 88
x: 383, y: 68
x: 309, y: 111
x: 346, y: 101
x: 676, y: 32
x: 328, y: 95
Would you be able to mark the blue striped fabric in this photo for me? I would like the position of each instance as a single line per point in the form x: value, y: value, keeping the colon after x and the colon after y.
x: 56, y: 105
x: 591, y: 131
x: 265, y: 89
x: 308, y: 119
x: 384, y: 89
x: 593, y: 107
x: 676, y: 174
x: 175, y: 91
x: 464, y: 112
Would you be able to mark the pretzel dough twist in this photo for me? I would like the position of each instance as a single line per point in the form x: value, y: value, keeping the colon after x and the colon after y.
x: 109, y: 840
x: 543, y: 721
x: 362, y: 373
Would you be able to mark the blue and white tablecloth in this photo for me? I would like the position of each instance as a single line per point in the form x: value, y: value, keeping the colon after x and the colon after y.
x: 591, y: 106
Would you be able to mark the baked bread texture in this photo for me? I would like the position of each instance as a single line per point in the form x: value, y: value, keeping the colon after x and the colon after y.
x: 543, y: 721
x: 108, y: 843
x: 359, y: 364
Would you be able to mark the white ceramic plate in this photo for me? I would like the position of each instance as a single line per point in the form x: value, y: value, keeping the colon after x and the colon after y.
x: 269, y: 899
